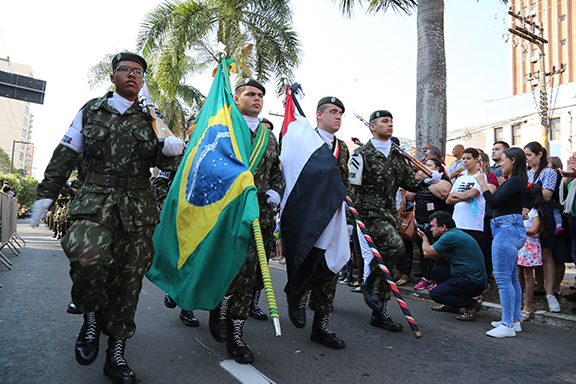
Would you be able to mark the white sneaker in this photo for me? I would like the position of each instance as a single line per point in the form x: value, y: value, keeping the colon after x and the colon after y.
x: 501, y: 331
x: 553, y: 303
x: 517, y: 327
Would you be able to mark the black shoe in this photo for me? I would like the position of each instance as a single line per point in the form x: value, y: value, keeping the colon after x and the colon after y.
x: 189, y: 319
x: 370, y: 291
x: 217, y: 321
x: 88, y: 342
x: 321, y: 334
x: 169, y: 302
x: 115, y: 366
x: 297, y: 309
x: 73, y: 309
x: 382, y: 320
x: 235, y: 345
x: 571, y: 297
x: 255, y: 310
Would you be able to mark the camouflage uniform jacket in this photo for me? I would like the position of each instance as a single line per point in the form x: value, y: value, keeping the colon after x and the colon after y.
x: 381, y: 177
x: 268, y: 175
x: 121, y: 145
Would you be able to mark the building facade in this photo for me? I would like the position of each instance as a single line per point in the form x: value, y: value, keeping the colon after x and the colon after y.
x: 558, y: 21
x: 16, y: 123
x: 517, y: 119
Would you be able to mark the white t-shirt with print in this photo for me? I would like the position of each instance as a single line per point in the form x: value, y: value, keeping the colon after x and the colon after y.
x: 469, y: 214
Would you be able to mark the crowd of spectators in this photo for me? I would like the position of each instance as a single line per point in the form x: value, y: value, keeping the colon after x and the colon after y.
x: 522, y: 230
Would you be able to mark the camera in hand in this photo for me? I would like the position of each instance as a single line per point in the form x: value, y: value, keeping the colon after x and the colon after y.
x: 424, y: 228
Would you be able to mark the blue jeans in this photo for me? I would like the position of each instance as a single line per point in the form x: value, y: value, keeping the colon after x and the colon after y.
x: 509, y: 236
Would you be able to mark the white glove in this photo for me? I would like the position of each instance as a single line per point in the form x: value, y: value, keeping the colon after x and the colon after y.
x: 39, y: 209
x: 273, y: 198
x: 350, y: 230
x: 173, y: 146
x: 434, y: 179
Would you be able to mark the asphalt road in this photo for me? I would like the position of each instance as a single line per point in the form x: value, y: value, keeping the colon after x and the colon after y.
x: 37, y: 339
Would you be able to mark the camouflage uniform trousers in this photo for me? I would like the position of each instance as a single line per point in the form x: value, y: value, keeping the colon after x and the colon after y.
x: 322, y: 295
x: 107, y: 266
x: 390, y: 244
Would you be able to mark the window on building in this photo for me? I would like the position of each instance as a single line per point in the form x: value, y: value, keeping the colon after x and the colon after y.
x: 562, y: 42
x: 516, y: 134
x: 555, y: 129
x: 562, y: 18
x: 525, y: 79
x: 24, y: 133
x: 524, y: 56
x: 22, y: 145
x: 532, y: 9
x: 563, y: 66
x: 25, y: 121
x: 21, y: 156
x: 498, y: 134
x: 26, y: 110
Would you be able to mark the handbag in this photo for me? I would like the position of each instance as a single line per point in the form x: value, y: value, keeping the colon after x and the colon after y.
x: 408, y: 228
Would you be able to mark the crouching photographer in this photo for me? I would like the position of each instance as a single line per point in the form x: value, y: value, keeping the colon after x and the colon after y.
x: 465, y: 278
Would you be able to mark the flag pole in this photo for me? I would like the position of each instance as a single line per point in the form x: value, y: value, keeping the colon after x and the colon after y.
x: 272, y: 307
x: 382, y: 266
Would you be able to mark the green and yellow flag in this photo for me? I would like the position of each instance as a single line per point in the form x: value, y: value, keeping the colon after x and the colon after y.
x: 205, y: 230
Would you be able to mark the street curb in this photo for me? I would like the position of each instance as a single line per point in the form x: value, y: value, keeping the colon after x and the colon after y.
x: 543, y: 317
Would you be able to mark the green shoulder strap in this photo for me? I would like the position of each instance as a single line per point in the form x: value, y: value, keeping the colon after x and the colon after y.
x: 258, y: 147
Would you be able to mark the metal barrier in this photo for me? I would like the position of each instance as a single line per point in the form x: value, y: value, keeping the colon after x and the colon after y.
x: 9, y: 237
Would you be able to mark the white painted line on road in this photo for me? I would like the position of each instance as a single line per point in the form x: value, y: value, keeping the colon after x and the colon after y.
x: 245, y: 373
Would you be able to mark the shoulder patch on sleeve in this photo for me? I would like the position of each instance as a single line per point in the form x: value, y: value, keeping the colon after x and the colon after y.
x: 355, y: 168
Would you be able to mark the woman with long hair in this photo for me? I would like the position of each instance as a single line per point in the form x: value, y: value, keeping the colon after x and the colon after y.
x: 537, y: 159
x: 509, y: 235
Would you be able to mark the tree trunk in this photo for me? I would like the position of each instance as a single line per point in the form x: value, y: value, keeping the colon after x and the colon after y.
x: 431, y: 76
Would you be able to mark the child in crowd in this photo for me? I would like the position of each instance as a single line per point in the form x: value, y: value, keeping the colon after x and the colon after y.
x: 555, y: 163
x: 530, y: 255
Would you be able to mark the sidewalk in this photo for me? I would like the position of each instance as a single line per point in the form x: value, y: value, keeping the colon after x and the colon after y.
x: 563, y: 319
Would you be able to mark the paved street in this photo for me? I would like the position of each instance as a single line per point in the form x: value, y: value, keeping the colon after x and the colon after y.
x: 37, y: 339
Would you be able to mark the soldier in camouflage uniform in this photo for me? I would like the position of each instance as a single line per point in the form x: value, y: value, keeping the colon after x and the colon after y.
x: 228, y: 318
x: 109, y: 244
x: 377, y: 170
x: 329, y: 117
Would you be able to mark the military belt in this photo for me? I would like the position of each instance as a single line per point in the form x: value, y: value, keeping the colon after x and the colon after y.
x: 113, y: 181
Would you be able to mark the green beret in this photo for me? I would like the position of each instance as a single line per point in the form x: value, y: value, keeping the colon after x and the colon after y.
x: 265, y: 120
x: 331, y: 100
x: 250, y: 82
x: 380, y: 113
x: 122, y: 56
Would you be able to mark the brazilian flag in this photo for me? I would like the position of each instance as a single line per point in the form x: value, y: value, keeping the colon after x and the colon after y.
x: 205, y: 231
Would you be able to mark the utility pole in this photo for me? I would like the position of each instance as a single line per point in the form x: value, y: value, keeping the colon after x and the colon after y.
x: 13, y: 149
x: 535, y: 36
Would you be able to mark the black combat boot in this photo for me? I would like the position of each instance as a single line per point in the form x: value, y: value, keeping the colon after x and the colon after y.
x: 382, y: 320
x: 297, y: 309
x: 73, y: 309
x: 189, y: 319
x: 115, y: 366
x: 235, y: 345
x: 321, y: 333
x: 169, y: 302
x: 255, y: 310
x: 217, y: 321
x: 370, y: 290
x: 88, y: 341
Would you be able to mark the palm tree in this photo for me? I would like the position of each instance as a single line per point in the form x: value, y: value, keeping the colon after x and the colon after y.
x: 431, y: 64
x: 257, y: 33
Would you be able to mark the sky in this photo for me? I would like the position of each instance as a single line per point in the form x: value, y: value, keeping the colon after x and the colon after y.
x: 368, y: 61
